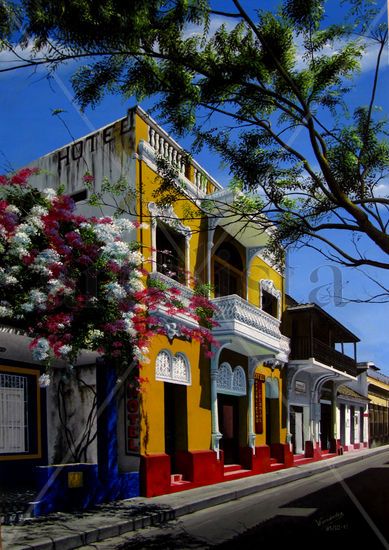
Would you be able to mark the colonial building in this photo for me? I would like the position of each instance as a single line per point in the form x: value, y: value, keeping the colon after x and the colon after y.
x: 197, y: 420
x: 378, y: 393
x: 325, y: 415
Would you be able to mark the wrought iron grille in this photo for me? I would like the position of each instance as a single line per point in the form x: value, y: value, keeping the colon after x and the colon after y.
x: 14, y: 435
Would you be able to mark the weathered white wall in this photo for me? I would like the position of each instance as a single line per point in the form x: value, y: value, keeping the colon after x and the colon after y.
x: 106, y: 153
x: 79, y: 402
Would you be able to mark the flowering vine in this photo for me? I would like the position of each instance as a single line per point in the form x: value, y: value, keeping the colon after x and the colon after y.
x: 75, y: 283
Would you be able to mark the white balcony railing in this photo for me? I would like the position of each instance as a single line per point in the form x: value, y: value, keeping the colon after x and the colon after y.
x: 232, y: 308
x: 185, y: 292
x: 235, y: 308
x: 163, y: 145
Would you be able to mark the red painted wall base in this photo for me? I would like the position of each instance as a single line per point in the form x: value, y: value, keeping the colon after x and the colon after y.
x: 282, y: 453
x: 155, y: 474
x: 312, y: 450
x: 200, y: 466
x: 259, y: 462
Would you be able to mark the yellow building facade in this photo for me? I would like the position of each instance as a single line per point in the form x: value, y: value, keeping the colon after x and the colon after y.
x: 197, y: 420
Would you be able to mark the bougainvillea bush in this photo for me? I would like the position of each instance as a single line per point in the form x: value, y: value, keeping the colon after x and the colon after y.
x: 75, y: 283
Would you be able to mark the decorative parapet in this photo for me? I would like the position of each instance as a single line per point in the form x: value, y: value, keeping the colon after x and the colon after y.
x: 191, y: 177
x: 235, y: 308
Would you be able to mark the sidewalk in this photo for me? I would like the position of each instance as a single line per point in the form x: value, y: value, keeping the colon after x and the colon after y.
x: 63, y: 531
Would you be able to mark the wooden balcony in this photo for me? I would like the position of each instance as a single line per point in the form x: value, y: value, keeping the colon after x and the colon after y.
x: 305, y: 348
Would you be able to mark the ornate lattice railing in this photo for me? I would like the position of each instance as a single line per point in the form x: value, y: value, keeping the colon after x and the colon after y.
x: 235, y: 308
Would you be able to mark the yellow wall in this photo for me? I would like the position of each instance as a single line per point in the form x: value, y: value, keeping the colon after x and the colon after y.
x: 267, y: 372
x: 198, y: 400
x: 261, y: 270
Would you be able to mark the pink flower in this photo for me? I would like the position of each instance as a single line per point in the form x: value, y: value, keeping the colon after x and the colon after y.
x: 88, y: 178
x: 21, y: 177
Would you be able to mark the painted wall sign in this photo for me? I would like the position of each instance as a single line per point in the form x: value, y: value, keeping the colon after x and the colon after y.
x: 259, y: 380
x: 300, y: 387
x: 77, y: 150
x: 132, y: 420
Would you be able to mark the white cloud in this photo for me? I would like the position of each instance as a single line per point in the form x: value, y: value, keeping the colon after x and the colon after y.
x: 215, y: 23
x: 367, y: 61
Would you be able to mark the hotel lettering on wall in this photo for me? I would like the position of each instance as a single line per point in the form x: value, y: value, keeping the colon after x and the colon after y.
x: 132, y: 419
x: 79, y: 149
x: 259, y: 380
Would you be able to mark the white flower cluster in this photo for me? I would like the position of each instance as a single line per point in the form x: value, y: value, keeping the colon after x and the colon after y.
x: 114, y: 236
x: 6, y: 279
x: 36, y: 301
x: 134, y: 284
x: 5, y: 310
x: 135, y: 258
x: 56, y: 286
x: 114, y: 292
x: 34, y: 217
x: 43, y: 259
x: 12, y: 209
x: 128, y: 324
x: 141, y: 354
x: 95, y: 334
x: 44, y: 380
x: 49, y: 193
x: 20, y: 241
x: 65, y: 350
x: 41, y: 350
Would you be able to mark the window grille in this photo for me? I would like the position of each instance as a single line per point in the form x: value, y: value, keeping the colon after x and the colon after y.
x: 14, y: 435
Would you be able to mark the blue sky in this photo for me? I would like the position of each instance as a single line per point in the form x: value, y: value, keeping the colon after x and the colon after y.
x: 29, y: 130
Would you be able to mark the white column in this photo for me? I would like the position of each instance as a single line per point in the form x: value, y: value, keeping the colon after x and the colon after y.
x: 187, y: 261
x: 216, y: 435
x: 153, y: 244
x: 366, y: 426
x: 250, y: 402
x: 347, y: 414
x: 334, y: 411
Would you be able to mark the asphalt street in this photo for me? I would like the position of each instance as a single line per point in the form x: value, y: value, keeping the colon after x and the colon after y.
x: 344, y: 505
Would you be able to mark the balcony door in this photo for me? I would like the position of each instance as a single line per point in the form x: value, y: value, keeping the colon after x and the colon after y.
x: 170, y: 252
x: 325, y: 425
x: 228, y: 271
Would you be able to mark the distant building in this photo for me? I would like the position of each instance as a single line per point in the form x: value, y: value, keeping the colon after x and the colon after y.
x: 324, y: 414
x: 378, y: 392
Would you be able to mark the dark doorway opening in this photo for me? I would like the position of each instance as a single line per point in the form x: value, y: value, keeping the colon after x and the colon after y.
x: 325, y: 426
x: 361, y: 426
x: 176, y: 421
x: 272, y: 421
x: 228, y: 410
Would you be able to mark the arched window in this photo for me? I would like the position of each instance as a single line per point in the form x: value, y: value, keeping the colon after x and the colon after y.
x: 231, y: 381
x: 228, y: 270
x: 172, y: 368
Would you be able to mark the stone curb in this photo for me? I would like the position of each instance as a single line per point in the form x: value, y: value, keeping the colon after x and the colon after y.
x: 195, y: 501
